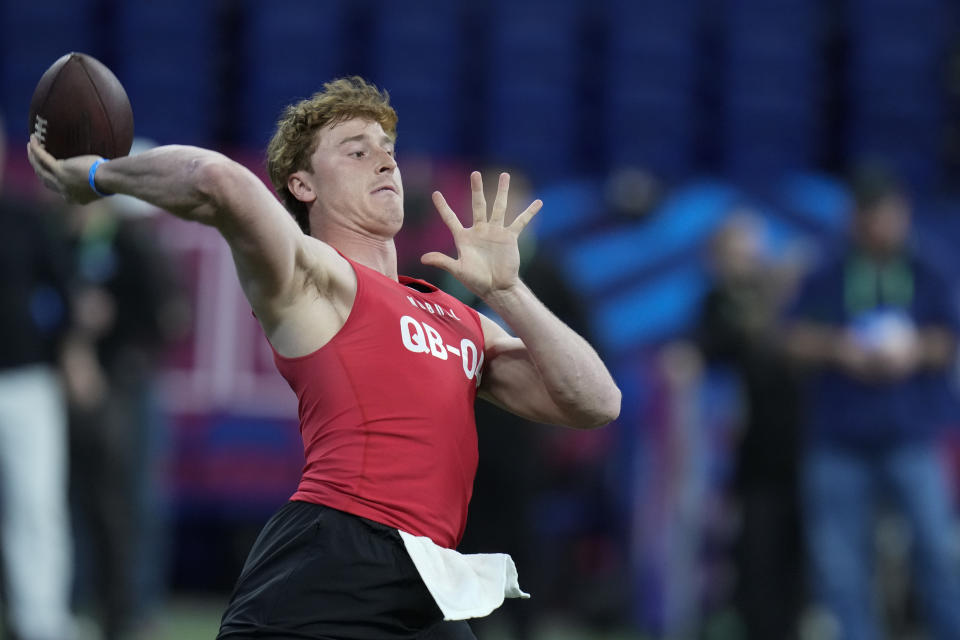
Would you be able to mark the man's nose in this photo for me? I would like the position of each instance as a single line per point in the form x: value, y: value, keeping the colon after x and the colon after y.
x: 386, y: 162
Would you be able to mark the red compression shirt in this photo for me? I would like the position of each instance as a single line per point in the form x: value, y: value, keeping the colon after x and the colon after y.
x: 386, y: 408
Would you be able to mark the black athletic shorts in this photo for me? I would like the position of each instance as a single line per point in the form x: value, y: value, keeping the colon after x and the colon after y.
x: 315, y: 572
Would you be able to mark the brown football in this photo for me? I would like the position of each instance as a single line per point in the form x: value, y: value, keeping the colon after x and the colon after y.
x: 79, y: 107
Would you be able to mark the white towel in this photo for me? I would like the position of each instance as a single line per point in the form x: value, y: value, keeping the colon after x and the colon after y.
x: 463, y: 585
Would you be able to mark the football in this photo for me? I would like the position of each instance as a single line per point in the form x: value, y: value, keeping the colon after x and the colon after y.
x: 79, y: 107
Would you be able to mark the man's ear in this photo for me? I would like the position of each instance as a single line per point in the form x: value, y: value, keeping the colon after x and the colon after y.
x: 300, y: 187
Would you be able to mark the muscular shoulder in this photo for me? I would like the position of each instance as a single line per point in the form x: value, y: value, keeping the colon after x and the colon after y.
x: 321, y: 295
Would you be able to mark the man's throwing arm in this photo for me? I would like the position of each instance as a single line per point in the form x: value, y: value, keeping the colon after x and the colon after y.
x: 202, y: 186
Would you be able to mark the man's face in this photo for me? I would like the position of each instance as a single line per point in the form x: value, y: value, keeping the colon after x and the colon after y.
x: 737, y: 248
x: 355, y: 177
x: 885, y: 227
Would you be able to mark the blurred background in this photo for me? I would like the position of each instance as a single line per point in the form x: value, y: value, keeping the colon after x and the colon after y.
x: 677, y: 145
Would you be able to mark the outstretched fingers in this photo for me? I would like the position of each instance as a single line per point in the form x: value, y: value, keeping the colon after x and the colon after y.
x: 526, y: 216
x: 449, y: 217
x: 42, y: 163
x: 36, y: 152
x: 499, y: 210
x: 439, y: 260
x: 478, y: 200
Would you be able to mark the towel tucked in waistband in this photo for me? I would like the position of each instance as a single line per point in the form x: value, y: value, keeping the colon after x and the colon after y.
x: 463, y: 585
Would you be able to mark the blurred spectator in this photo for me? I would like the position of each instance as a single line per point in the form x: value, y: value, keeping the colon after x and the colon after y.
x: 129, y: 308
x: 36, y: 539
x: 877, y: 326
x: 632, y: 192
x: 738, y: 328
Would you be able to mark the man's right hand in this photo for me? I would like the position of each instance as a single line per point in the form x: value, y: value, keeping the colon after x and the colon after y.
x: 881, y: 366
x: 854, y: 360
x: 67, y: 177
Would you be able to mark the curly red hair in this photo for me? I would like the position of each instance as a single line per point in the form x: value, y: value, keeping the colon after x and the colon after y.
x: 296, y: 139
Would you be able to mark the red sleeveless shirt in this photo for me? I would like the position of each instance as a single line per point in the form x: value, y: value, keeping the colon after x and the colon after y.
x: 386, y: 408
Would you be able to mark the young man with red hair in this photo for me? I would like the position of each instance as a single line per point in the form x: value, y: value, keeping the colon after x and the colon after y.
x: 386, y: 368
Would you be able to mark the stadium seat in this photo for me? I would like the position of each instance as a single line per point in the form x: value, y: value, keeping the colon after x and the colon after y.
x: 532, y: 80
x: 291, y: 48
x: 32, y: 36
x: 159, y: 46
x: 424, y: 79
x: 651, y: 75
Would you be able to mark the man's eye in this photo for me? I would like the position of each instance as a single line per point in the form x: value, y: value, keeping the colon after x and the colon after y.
x: 358, y: 154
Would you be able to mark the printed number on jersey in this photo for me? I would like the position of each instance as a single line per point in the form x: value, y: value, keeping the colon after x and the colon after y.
x: 420, y: 337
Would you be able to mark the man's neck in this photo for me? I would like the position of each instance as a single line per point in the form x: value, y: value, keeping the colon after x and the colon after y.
x: 880, y: 256
x: 377, y: 253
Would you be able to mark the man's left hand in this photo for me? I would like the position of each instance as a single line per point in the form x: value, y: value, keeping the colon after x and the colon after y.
x: 488, y: 256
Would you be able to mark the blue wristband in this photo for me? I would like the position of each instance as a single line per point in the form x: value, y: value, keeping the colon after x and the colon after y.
x: 92, y: 175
